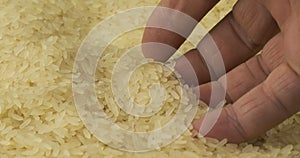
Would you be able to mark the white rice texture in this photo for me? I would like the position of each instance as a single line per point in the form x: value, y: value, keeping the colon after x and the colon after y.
x: 38, y: 43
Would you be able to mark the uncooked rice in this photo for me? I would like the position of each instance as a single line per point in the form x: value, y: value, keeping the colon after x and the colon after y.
x: 38, y: 118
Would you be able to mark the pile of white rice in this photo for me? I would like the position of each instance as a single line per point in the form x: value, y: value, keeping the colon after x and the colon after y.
x: 38, y: 118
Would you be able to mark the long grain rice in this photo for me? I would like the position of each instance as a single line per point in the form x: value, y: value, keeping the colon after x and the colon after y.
x: 38, y: 118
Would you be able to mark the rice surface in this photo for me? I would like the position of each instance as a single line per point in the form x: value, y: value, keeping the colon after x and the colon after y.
x: 38, y: 118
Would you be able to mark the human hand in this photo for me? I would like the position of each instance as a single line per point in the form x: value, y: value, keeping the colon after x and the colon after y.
x: 262, y: 90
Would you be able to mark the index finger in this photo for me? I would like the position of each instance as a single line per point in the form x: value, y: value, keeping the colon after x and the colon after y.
x: 197, y: 9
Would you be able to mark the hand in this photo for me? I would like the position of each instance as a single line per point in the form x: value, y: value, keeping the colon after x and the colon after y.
x: 262, y: 90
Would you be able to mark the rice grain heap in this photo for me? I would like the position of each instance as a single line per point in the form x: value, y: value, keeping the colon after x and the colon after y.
x: 38, y: 118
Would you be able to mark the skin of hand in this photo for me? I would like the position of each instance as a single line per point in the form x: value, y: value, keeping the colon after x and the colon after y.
x: 262, y: 90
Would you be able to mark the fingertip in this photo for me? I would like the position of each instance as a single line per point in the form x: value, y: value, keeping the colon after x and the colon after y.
x: 197, y: 124
x: 192, y: 68
x: 157, y: 51
x: 221, y: 129
x: 203, y: 92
